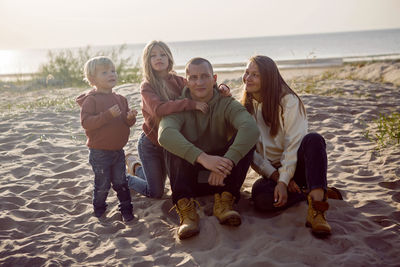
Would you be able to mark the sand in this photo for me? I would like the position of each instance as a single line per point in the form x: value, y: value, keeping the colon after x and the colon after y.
x: 46, y: 185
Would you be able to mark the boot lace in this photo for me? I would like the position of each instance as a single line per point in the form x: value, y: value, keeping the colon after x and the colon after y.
x: 225, y: 204
x: 319, y: 208
x: 185, y: 211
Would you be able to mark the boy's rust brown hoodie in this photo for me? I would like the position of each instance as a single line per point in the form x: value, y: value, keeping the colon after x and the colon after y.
x: 104, y: 131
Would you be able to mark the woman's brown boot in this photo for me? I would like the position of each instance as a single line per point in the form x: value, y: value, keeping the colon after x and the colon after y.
x: 316, y: 216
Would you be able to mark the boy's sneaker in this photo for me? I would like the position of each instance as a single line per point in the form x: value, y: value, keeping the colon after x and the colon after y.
x: 127, y: 215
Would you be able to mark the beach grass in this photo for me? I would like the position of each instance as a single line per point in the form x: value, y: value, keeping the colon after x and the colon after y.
x: 385, y: 130
x: 64, y: 68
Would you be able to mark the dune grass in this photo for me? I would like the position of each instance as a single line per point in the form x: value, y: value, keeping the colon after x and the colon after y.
x: 385, y: 130
x: 64, y: 68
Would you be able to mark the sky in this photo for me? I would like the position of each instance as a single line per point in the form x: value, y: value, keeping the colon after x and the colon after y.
x: 31, y: 24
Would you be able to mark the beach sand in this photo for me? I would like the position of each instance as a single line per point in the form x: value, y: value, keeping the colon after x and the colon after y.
x: 46, y: 187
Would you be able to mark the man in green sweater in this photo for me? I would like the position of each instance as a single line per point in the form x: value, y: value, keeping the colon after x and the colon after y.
x: 207, y: 153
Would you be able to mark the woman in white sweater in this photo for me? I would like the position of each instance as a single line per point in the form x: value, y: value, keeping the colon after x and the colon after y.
x: 289, y: 160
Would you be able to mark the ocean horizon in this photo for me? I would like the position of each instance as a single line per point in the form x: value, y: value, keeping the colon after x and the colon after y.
x: 227, y: 54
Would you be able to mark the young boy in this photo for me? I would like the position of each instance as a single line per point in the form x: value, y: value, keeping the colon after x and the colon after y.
x: 106, y: 118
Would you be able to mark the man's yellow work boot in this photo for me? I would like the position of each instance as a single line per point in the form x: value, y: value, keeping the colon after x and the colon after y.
x: 223, y: 209
x: 188, y: 218
x: 316, y: 216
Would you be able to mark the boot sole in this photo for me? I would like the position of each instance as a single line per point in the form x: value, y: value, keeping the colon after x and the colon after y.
x: 188, y: 234
x: 318, y: 232
x: 232, y: 221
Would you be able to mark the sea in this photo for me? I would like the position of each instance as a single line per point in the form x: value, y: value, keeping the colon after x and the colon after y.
x: 228, y: 54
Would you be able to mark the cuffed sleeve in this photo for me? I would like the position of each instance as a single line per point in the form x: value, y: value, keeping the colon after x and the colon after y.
x: 264, y: 165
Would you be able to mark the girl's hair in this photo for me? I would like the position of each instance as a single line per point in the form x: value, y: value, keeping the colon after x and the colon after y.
x: 273, y: 88
x: 89, y: 70
x: 150, y: 76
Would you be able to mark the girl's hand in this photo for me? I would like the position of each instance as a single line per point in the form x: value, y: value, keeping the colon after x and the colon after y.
x: 280, y: 194
x: 224, y: 90
x: 293, y: 187
x: 203, y: 107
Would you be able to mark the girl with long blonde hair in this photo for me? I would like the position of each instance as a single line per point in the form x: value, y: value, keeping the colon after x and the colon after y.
x: 160, y: 92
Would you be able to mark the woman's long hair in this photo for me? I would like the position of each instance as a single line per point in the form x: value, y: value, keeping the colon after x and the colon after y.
x: 150, y: 76
x: 273, y: 88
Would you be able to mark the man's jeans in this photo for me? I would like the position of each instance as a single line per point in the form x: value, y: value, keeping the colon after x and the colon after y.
x: 184, y: 177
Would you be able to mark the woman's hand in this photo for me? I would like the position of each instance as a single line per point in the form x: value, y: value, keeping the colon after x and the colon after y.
x: 224, y: 90
x: 203, y: 107
x: 275, y: 176
x: 280, y: 194
x: 293, y: 187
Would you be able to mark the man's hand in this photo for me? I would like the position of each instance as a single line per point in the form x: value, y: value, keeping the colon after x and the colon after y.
x: 115, y: 111
x: 280, y: 194
x: 217, y: 164
x: 216, y: 179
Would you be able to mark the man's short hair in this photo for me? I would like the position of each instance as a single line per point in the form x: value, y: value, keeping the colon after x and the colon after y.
x: 198, y: 61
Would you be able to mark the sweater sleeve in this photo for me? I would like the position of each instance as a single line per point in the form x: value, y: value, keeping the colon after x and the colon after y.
x: 294, y: 125
x: 89, y: 119
x: 264, y: 166
x: 157, y: 107
x: 129, y: 122
x: 170, y: 137
x: 247, y: 131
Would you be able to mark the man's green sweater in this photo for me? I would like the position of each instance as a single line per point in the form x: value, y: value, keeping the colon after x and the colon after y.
x: 187, y: 134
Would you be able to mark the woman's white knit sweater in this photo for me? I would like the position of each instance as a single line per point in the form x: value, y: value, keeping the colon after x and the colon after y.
x: 280, y: 152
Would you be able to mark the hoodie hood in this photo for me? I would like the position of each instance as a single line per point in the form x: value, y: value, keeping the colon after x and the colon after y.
x: 81, y: 98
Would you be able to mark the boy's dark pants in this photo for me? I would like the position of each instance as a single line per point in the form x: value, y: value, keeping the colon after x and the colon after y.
x: 311, y: 168
x: 109, y: 168
x: 183, y: 177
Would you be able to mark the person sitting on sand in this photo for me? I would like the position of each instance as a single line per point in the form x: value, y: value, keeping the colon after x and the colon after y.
x: 106, y: 118
x: 207, y: 153
x: 286, y: 156
x: 160, y: 91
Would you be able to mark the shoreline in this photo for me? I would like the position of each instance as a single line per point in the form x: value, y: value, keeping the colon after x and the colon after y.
x: 304, y: 63
x: 237, y: 67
